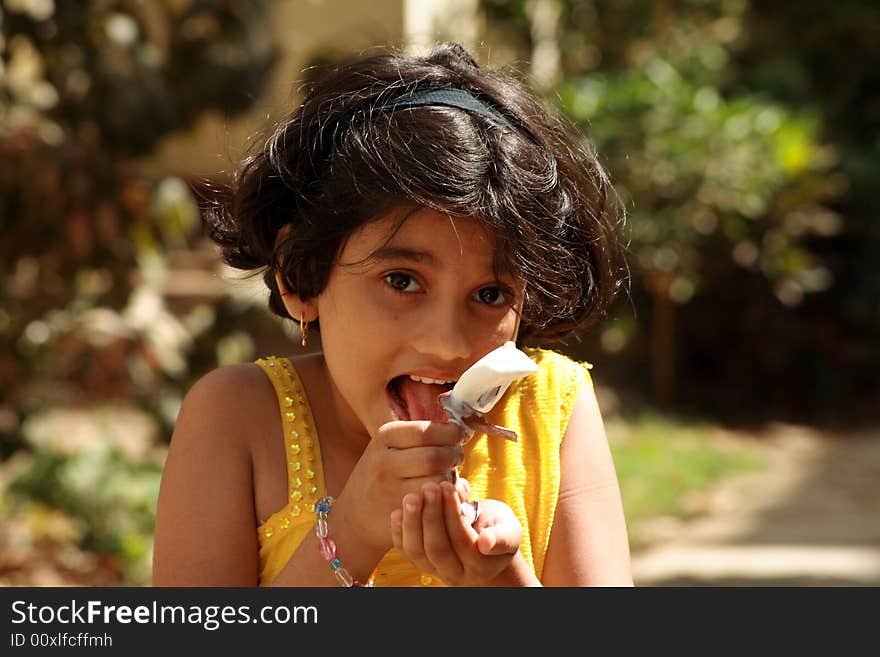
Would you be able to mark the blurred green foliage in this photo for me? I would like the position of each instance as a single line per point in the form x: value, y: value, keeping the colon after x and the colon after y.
x: 743, y: 139
x: 110, y: 492
x: 86, y: 329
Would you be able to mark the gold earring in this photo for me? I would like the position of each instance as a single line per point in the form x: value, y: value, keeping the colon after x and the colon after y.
x: 304, y: 329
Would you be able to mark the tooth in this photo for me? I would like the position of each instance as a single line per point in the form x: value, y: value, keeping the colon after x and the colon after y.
x: 425, y: 379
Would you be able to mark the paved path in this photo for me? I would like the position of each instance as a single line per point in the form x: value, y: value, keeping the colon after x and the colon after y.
x: 811, y: 518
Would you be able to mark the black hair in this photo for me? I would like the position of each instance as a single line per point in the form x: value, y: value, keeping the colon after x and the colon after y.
x: 336, y: 163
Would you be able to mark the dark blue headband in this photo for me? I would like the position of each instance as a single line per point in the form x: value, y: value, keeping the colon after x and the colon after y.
x: 447, y: 97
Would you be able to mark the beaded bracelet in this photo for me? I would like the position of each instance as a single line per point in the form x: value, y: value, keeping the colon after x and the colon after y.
x: 328, y: 546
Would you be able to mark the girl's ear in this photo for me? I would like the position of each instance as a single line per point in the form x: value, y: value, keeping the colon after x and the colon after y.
x: 298, y: 309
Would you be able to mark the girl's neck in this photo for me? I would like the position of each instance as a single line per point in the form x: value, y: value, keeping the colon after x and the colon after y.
x: 329, y: 410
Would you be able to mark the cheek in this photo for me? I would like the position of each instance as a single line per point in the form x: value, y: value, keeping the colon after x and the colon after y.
x: 346, y: 311
x: 507, y: 326
x: 489, y: 336
x: 358, y: 338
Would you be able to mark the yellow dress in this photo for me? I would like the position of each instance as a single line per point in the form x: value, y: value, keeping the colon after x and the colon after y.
x: 525, y: 474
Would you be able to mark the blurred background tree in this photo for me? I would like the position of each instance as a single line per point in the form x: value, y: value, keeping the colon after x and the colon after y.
x: 743, y: 138
x: 93, y: 361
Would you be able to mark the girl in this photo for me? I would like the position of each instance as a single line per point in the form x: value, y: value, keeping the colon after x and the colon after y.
x: 420, y: 212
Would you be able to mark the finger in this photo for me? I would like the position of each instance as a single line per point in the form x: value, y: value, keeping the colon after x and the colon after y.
x: 461, y: 535
x: 416, y: 433
x: 397, y: 529
x: 425, y: 461
x: 415, y: 485
x: 438, y: 549
x: 411, y: 540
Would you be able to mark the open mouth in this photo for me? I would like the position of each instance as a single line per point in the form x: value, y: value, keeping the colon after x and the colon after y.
x: 416, y: 400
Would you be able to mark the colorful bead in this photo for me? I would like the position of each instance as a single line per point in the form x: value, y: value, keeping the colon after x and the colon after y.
x: 321, y: 526
x: 344, y: 577
x: 328, y: 549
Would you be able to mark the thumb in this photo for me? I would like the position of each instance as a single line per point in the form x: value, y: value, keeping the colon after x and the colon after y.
x: 493, y: 541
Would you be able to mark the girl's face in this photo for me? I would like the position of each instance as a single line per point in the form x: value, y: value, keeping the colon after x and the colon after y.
x: 426, y: 303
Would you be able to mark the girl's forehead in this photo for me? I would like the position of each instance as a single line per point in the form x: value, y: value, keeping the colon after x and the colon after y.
x: 424, y: 233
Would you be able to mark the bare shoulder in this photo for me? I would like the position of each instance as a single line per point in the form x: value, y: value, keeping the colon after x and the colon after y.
x: 586, y: 461
x: 205, y: 524
x: 230, y: 394
x: 588, y: 542
x: 223, y: 419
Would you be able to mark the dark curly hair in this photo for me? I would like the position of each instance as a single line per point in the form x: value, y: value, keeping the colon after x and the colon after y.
x: 335, y: 163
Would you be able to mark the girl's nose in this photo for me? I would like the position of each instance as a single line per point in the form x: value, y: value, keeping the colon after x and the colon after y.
x: 444, y: 335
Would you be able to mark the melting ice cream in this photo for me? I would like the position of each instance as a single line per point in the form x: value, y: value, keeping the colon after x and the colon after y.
x: 482, y: 385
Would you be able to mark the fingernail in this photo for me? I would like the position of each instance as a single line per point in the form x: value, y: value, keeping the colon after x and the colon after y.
x: 410, y: 505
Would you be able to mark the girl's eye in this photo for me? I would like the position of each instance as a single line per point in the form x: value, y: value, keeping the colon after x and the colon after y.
x: 401, y: 282
x: 492, y: 296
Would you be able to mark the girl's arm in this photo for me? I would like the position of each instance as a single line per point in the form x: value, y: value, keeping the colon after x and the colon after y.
x: 588, y: 542
x: 205, y: 524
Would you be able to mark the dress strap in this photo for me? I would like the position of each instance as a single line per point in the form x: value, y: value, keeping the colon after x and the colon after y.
x: 305, y: 475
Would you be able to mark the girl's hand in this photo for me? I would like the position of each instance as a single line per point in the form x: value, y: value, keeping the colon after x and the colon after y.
x: 401, y: 458
x: 432, y: 533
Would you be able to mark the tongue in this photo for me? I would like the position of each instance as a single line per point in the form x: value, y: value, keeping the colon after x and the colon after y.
x: 422, y: 400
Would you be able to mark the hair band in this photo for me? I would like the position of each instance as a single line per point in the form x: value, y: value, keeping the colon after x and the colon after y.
x: 458, y: 98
